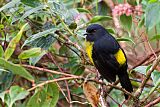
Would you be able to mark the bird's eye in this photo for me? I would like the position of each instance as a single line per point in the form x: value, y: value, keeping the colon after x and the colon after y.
x: 93, y: 31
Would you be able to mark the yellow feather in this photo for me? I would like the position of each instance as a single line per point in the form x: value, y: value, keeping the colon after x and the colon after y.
x: 89, y: 48
x: 120, y: 57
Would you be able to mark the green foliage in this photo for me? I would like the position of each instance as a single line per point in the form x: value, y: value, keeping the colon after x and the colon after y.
x: 126, y: 22
x: 33, y: 52
x: 12, y: 45
x: 152, y: 15
x: 46, y: 97
x: 51, y: 38
x: 15, y: 93
x: 15, y: 69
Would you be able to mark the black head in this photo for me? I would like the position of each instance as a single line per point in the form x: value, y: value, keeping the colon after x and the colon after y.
x: 95, y: 32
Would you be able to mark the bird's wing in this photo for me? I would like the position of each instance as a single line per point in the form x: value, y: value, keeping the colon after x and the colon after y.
x: 103, y: 55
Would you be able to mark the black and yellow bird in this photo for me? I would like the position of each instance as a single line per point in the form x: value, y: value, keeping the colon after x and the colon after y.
x: 107, y: 55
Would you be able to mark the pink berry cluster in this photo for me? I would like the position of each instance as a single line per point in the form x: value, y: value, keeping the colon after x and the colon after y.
x: 127, y: 9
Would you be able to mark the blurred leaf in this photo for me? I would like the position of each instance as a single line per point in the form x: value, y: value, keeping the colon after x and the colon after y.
x: 33, y: 52
x: 91, y: 93
x: 10, y: 4
x: 2, y: 96
x: 152, y: 16
x: 155, y: 77
x: 78, y: 69
x: 30, y: 11
x: 16, y: 93
x: 63, y: 50
x: 110, y: 30
x: 34, y: 60
x: 12, y: 44
x: 6, y: 78
x: 41, y: 37
x: 125, y: 39
x: 78, y: 90
x: 126, y: 22
x: 32, y: 3
x: 152, y: 1
x: 99, y: 19
x: 141, y: 69
x: 141, y: 22
x: 156, y: 37
x: 1, y: 51
x: 82, y: 10
x: 16, y: 69
x: 46, y: 97
x: 73, y: 26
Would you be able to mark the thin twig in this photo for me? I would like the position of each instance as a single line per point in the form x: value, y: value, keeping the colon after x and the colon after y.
x: 55, y: 80
x: 47, y: 70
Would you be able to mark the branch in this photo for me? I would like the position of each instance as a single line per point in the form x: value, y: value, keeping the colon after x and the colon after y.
x: 156, y: 101
x: 154, y: 65
x: 55, y: 80
x: 145, y: 59
x: 47, y: 70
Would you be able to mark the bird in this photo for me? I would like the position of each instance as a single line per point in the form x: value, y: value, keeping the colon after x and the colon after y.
x: 107, y: 56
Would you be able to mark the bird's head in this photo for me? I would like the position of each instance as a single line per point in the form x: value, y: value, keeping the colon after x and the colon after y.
x: 94, y: 32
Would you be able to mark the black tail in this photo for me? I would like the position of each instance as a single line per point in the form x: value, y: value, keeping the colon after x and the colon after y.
x: 125, y: 82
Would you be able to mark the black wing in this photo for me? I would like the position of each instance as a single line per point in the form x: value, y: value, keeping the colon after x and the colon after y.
x: 104, y: 59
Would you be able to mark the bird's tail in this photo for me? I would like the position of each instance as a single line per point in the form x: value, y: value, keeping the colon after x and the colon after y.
x: 125, y: 82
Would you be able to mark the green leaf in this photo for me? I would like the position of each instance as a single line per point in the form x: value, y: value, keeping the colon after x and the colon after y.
x: 125, y: 39
x: 32, y: 3
x: 126, y: 22
x: 16, y: 93
x: 2, y: 96
x: 1, y: 51
x: 99, y: 19
x: 156, y: 37
x: 82, y: 10
x: 155, y: 77
x: 141, y: 69
x: 39, y: 35
x: 141, y: 22
x: 30, y: 11
x: 33, y: 52
x: 34, y: 60
x: 46, y: 97
x: 78, y: 69
x: 10, y: 4
x: 152, y: 16
x: 12, y: 44
x: 16, y: 69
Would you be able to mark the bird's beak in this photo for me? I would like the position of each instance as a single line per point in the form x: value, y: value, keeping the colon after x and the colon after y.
x: 85, y: 35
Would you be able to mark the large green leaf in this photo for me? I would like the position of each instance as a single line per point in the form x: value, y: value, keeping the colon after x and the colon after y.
x: 99, y: 19
x: 16, y: 93
x: 33, y: 52
x: 46, y: 97
x: 32, y: 3
x: 16, y: 69
x: 126, y: 22
x: 12, y: 44
x: 10, y: 4
x: 152, y: 16
x: 31, y: 11
x: 40, y: 37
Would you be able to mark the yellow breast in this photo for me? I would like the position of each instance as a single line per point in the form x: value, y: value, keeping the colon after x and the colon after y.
x: 120, y: 57
x: 89, y: 48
